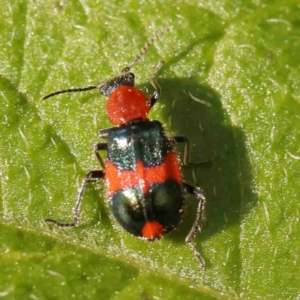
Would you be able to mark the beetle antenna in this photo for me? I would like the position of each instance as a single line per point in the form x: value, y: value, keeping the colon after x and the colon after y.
x: 72, y: 90
x: 145, y: 48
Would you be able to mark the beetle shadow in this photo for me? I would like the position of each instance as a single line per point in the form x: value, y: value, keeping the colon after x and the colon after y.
x: 195, y: 110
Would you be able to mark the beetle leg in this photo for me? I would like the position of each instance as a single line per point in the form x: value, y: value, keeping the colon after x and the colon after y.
x: 98, y: 147
x: 103, y: 133
x: 198, y: 193
x: 90, y: 177
x: 154, y: 83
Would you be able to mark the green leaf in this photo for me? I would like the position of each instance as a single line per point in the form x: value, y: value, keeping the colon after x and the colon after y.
x: 230, y: 84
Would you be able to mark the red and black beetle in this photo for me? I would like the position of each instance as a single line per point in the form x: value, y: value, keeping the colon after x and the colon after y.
x: 144, y: 183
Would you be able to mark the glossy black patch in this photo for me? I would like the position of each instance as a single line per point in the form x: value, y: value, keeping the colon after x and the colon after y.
x: 163, y: 203
x: 145, y: 141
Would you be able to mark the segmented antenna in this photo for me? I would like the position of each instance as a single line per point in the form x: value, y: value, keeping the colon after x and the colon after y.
x: 145, y: 48
x: 91, y: 87
x: 125, y: 70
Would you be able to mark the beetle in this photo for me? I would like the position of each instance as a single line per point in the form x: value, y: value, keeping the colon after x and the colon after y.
x: 144, y: 183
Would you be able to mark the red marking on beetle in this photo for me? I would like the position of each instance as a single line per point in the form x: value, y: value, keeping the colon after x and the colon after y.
x: 152, y: 230
x: 127, y: 103
x: 142, y: 176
